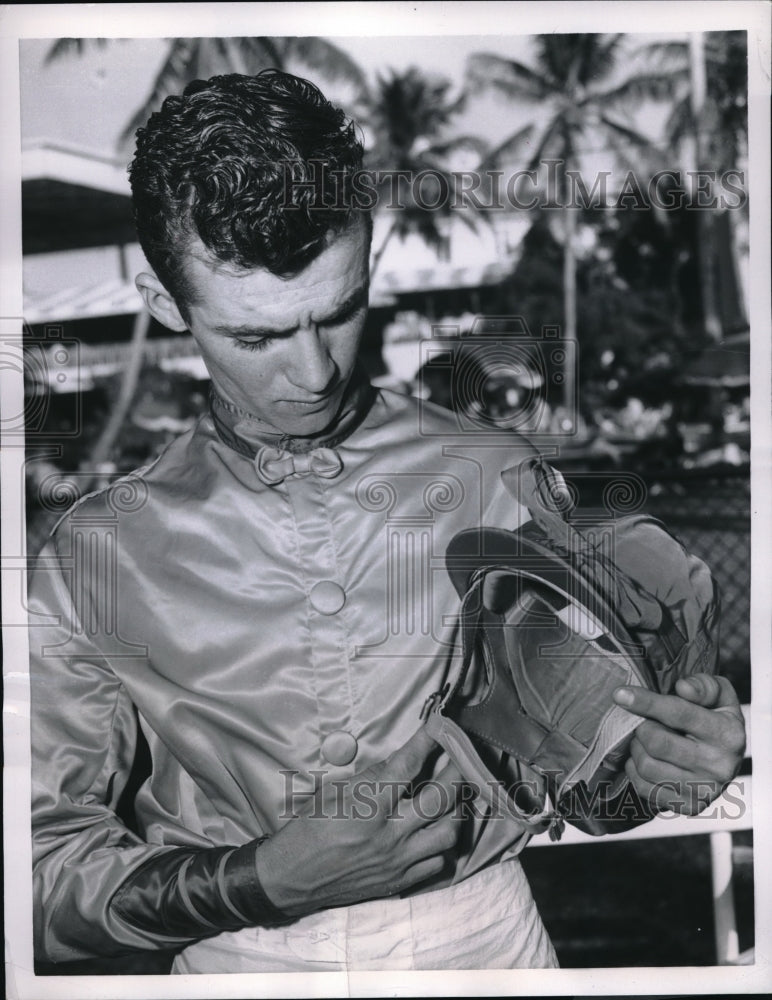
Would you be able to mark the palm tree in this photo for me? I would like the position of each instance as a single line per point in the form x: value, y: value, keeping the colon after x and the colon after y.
x: 409, y: 115
x: 199, y: 58
x: 725, y: 91
x: 580, y: 99
x: 190, y: 59
x: 709, y: 123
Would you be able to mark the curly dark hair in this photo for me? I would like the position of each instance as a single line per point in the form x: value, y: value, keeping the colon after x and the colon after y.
x: 258, y: 167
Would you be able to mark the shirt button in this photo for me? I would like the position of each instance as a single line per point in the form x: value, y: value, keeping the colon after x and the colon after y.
x: 327, y: 597
x: 339, y: 748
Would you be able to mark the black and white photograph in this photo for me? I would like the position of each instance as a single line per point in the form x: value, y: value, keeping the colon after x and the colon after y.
x: 385, y: 478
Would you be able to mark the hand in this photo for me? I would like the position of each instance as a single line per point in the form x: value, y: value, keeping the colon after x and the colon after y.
x: 690, y: 746
x: 365, y: 837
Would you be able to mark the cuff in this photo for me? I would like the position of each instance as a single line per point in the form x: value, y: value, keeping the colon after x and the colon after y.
x: 185, y: 893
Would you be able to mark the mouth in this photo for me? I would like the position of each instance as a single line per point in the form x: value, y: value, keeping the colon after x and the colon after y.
x: 318, y: 402
x: 309, y: 406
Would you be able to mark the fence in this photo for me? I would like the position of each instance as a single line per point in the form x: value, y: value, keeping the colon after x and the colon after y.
x: 709, y: 512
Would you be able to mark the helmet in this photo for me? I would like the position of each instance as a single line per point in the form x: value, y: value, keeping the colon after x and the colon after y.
x: 552, y: 621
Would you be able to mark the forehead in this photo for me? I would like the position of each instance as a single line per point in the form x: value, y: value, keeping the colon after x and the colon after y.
x: 223, y: 292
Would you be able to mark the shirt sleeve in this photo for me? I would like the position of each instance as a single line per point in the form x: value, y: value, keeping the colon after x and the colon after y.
x: 98, y: 887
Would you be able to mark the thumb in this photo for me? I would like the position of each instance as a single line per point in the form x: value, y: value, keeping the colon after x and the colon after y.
x: 404, y: 764
x: 707, y: 690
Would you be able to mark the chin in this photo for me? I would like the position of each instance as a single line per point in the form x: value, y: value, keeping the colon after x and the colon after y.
x: 315, y: 428
x: 314, y: 423
x: 309, y: 426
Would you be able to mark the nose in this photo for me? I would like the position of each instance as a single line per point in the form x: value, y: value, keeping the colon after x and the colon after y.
x: 313, y: 369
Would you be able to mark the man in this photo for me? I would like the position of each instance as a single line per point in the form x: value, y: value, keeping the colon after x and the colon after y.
x: 265, y: 607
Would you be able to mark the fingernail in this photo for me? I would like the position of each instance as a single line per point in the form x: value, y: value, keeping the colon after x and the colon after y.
x: 691, y: 686
x: 623, y: 696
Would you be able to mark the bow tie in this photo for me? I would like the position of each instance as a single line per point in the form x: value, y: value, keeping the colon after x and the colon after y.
x: 274, y: 465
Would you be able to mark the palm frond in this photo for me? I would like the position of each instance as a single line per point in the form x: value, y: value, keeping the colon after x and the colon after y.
x: 509, y: 148
x: 643, y: 86
x: 409, y: 113
x: 458, y: 144
x: 551, y: 131
x: 472, y: 219
x: 680, y: 121
x: 597, y: 57
x: 215, y: 56
x: 664, y: 55
x: 175, y: 73
x: 193, y: 58
x: 509, y: 77
x: 633, y: 152
x: 632, y: 136
x: 408, y: 107
x: 262, y: 52
x: 66, y: 47
x: 607, y: 48
x: 328, y: 60
x: 630, y: 164
x: 423, y: 223
x: 570, y: 59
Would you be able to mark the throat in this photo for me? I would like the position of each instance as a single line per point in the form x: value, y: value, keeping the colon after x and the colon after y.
x: 246, y: 432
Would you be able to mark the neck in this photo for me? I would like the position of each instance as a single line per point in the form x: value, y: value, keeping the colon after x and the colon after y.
x: 245, y: 432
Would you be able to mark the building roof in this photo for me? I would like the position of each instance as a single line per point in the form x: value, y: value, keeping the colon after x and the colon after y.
x: 72, y: 199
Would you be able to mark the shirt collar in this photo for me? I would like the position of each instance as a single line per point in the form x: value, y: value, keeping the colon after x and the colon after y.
x: 246, y: 433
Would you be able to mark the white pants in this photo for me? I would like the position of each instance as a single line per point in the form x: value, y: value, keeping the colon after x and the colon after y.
x: 489, y: 921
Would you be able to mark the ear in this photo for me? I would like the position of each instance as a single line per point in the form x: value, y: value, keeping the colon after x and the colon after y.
x: 159, y: 302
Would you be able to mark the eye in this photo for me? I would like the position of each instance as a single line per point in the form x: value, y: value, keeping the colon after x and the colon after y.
x: 344, y: 317
x: 252, y: 345
x: 330, y: 324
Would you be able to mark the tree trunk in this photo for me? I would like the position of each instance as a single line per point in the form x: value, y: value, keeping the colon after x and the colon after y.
x: 379, y: 252
x: 104, y: 446
x: 706, y: 242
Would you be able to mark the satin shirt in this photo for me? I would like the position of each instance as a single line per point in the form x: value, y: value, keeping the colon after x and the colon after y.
x: 262, y: 636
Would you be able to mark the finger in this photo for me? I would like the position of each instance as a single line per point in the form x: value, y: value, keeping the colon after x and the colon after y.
x: 678, y: 713
x: 438, y: 795
x: 435, y: 840
x: 688, y: 797
x: 405, y: 763
x: 654, y: 769
x: 708, y: 690
x: 449, y: 776
x: 686, y: 755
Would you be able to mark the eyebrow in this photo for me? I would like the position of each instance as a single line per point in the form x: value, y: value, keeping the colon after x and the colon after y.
x: 353, y: 302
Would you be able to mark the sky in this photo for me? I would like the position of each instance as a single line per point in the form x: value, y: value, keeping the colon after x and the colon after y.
x: 86, y: 100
